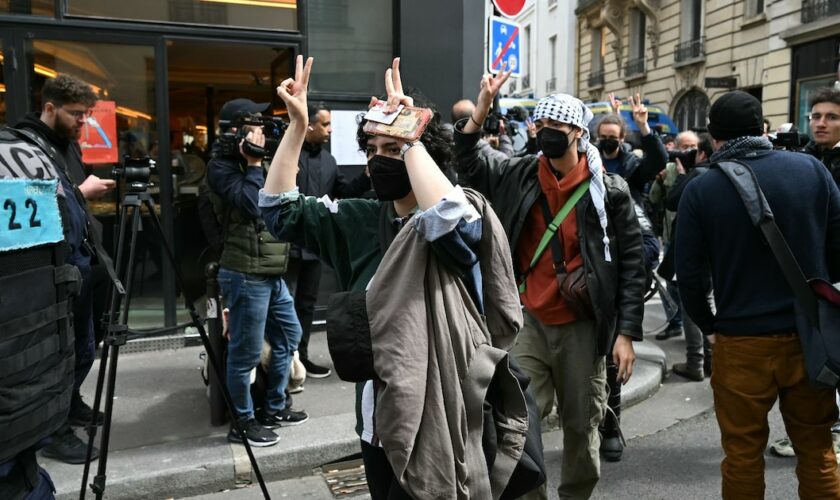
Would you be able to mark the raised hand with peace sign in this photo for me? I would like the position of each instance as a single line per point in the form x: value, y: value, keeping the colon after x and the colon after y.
x: 640, y: 114
x: 489, y: 87
x: 284, y: 166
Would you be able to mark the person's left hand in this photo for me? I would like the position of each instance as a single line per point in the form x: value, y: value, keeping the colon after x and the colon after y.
x: 293, y: 91
x: 94, y: 187
x: 532, y: 129
x: 624, y: 357
x: 394, y: 89
x: 640, y: 114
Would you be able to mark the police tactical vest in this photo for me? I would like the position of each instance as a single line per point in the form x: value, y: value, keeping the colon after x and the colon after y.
x: 36, y: 290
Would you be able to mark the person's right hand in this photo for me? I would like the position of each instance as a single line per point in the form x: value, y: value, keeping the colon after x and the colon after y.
x: 257, y: 138
x: 94, y: 187
x: 680, y: 168
x: 615, y: 103
x: 293, y: 91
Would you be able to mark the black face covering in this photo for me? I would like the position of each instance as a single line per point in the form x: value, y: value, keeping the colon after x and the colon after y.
x: 552, y: 142
x: 608, y: 146
x: 389, y: 177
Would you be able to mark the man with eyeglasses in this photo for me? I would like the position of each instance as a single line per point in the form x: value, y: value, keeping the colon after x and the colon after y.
x: 824, y: 122
x: 66, y: 105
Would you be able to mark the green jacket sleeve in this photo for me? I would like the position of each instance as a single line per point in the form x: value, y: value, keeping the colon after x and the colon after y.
x: 342, y: 233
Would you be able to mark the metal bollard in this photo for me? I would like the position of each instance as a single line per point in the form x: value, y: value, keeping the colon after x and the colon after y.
x: 218, y: 413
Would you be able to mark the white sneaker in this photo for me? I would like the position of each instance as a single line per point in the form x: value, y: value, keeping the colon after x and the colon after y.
x: 782, y: 448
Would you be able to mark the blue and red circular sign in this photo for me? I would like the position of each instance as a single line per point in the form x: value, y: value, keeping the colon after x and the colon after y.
x: 509, y: 8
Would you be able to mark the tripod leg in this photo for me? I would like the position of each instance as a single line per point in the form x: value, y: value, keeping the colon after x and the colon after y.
x: 116, y: 336
x: 115, y: 300
x: 196, y: 319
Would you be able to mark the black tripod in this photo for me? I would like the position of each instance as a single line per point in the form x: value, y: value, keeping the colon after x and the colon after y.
x: 118, y: 334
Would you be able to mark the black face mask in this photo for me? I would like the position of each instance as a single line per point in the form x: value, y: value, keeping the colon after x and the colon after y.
x: 552, y: 142
x: 389, y: 177
x: 608, y: 146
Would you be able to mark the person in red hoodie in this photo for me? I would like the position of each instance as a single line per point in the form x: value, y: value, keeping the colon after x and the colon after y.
x: 583, y: 295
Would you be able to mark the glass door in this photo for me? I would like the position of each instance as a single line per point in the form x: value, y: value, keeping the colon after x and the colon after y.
x: 126, y: 121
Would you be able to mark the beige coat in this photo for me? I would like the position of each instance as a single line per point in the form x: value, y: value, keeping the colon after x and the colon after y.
x: 436, y: 356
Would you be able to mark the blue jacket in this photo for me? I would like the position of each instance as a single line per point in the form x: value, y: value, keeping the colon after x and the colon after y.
x: 714, y: 233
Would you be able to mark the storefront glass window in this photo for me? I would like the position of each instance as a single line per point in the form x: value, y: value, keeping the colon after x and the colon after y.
x: 352, y: 42
x: 28, y: 7
x: 2, y: 87
x: 122, y: 123
x: 804, y: 89
x: 268, y: 14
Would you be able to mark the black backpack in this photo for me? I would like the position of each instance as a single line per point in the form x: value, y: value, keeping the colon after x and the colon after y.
x: 36, y: 291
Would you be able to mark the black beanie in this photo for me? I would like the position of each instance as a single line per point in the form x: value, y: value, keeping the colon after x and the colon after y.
x: 736, y: 114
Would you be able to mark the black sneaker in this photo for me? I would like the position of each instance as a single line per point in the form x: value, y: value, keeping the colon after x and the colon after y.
x: 68, y: 448
x: 672, y: 331
x: 282, y: 418
x: 315, y: 371
x: 81, y: 414
x: 256, y: 434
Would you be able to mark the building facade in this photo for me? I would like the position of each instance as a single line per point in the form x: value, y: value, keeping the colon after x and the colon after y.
x: 683, y: 54
x: 547, y: 30
x: 165, y: 67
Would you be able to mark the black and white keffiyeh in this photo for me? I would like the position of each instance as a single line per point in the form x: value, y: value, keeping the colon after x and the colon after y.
x: 571, y: 110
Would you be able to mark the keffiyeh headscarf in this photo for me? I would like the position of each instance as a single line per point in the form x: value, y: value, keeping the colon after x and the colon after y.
x: 567, y: 109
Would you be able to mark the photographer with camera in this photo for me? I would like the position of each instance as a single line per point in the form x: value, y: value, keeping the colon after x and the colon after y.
x: 494, y: 142
x: 824, y: 121
x: 66, y: 105
x: 691, y: 150
x: 250, y: 274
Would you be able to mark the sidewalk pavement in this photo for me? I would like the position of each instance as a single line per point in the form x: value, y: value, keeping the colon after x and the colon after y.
x: 163, y: 446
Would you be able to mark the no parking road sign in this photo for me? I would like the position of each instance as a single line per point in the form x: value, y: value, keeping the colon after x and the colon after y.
x: 503, y: 46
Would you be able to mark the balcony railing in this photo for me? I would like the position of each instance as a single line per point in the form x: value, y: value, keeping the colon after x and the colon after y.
x: 526, y: 82
x: 813, y: 10
x: 596, y: 79
x: 690, y: 50
x: 550, y: 85
x: 634, y: 67
x: 512, y: 87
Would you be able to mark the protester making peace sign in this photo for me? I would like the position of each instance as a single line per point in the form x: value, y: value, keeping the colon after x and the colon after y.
x: 426, y: 292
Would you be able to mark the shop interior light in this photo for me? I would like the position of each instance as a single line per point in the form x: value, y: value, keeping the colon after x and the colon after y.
x: 283, y: 4
x: 132, y: 113
x: 2, y: 87
x: 45, y: 71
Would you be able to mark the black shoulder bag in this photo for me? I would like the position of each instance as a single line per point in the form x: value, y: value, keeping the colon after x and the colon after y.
x: 817, y: 301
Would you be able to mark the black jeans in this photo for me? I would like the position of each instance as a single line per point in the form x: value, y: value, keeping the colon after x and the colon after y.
x: 382, y: 483
x: 304, y: 277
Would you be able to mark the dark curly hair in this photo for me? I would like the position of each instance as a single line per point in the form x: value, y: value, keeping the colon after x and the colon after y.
x: 66, y: 89
x: 436, y: 138
x: 824, y: 94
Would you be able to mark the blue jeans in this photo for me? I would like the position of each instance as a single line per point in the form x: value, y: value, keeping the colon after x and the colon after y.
x: 261, y: 307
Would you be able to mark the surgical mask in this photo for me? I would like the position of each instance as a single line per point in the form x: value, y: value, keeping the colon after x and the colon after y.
x: 552, y: 142
x: 389, y: 178
x: 608, y: 146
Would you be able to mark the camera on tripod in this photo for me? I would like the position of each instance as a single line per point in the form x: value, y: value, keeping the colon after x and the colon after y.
x: 273, y: 128
x: 137, y: 173
x: 687, y: 157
